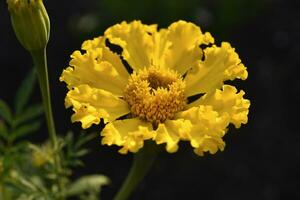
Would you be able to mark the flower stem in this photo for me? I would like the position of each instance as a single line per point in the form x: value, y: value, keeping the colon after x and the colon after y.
x: 40, y: 61
x: 142, y: 163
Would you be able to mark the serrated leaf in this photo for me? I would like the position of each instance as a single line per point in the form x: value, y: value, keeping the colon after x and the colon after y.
x: 25, y: 130
x: 5, y: 112
x: 24, y: 91
x: 87, y: 183
x: 29, y: 113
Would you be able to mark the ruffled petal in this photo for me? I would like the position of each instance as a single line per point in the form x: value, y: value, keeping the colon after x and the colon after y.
x: 91, y: 104
x: 227, y: 102
x: 136, y: 40
x: 98, y: 42
x: 107, y: 55
x: 129, y: 134
x: 207, y: 130
x: 183, y: 42
x: 171, y: 131
x: 98, y: 67
x: 161, y: 44
x: 220, y: 64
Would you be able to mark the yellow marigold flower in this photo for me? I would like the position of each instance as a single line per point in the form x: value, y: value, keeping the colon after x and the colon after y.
x: 169, y: 66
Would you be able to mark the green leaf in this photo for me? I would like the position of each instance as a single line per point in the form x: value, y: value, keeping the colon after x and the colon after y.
x: 25, y: 130
x: 3, y: 130
x: 81, y: 152
x: 33, y: 196
x: 17, y: 179
x: 24, y: 91
x: 69, y: 138
x: 29, y: 113
x: 75, y: 163
x: 87, y: 183
x: 5, y: 112
x: 12, y: 188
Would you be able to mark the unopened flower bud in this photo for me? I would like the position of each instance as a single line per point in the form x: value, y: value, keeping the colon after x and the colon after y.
x: 30, y: 22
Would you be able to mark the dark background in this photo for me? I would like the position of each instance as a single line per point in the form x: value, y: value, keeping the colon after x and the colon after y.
x: 261, y: 159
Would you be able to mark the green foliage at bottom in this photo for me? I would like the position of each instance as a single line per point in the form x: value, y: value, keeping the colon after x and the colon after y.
x: 28, y: 171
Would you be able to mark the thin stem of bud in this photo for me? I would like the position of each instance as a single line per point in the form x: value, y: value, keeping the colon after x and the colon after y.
x: 40, y: 62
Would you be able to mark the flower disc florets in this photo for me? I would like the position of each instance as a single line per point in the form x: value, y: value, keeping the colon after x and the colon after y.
x: 155, y: 94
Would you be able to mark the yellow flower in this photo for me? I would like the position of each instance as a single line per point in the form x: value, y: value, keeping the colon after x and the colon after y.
x: 153, y: 102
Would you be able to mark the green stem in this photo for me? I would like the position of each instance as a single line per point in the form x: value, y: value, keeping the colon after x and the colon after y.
x: 142, y: 163
x: 40, y: 61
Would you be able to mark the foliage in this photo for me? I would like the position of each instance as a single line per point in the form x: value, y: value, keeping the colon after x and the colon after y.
x: 27, y: 171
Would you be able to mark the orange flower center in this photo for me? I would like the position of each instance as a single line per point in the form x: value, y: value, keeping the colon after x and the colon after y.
x: 155, y: 94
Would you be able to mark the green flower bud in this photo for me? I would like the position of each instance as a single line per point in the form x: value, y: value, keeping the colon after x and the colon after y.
x: 30, y: 22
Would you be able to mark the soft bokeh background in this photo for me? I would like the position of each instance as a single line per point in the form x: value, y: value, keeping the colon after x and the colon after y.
x: 260, y: 161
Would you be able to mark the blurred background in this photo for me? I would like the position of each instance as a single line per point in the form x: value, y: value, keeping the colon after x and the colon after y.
x: 261, y: 159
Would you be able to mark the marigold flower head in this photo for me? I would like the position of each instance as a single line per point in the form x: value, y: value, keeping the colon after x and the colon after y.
x: 152, y: 103
x: 30, y: 22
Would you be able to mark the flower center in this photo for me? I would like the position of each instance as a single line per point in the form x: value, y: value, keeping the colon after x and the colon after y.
x: 155, y: 94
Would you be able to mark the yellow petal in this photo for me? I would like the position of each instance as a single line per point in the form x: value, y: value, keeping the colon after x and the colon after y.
x: 207, y: 129
x: 107, y: 55
x: 183, y: 42
x: 98, y: 42
x: 129, y: 134
x: 98, y: 67
x: 220, y: 64
x: 227, y: 102
x: 161, y: 44
x: 136, y: 41
x: 91, y: 104
x: 209, y: 144
x: 170, y: 132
